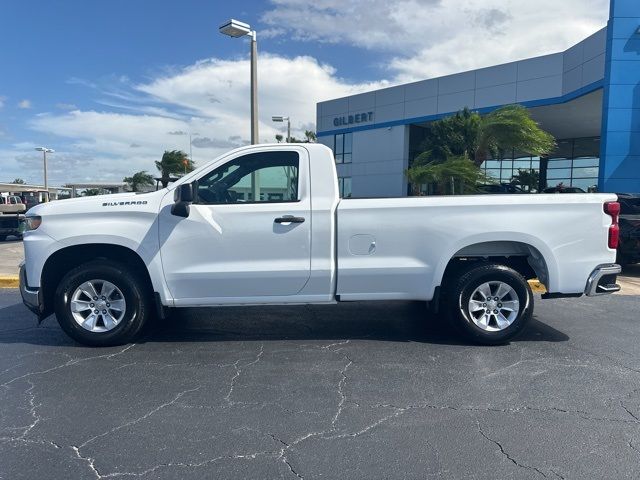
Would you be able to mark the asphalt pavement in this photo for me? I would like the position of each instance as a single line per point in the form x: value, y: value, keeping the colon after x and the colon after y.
x: 361, y: 390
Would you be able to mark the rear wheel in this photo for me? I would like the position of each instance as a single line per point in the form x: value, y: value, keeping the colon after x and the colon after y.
x: 490, y: 303
x: 102, y: 303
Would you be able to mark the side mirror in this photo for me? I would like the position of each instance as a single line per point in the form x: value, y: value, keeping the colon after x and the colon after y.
x: 183, y: 197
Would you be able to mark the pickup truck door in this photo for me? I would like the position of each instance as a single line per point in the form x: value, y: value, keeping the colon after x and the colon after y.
x: 248, y: 233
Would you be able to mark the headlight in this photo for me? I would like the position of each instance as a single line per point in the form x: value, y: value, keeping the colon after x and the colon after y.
x: 33, y: 222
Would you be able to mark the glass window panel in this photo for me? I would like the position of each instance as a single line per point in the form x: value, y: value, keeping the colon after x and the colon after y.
x: 523, y: 164
x: 557, y: 181
x: 559, y: 173
x: 493, y: 172
x: 506, y: 175
x: 258, y: 177
x: 585, y: 172
x: 347, y: 158
x: 491, y: 164
x: 586, y: 162
x: 346, y: 191
x: 341, y: 185
x: 507, y: 163
x: 559, y: 163
x: 339, y: 144
x: 535, y: 163
x: 339, y: 158
x: 585, y: 183
x: 348, y: 142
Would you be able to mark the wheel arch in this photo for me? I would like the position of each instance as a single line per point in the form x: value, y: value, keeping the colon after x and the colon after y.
x: 65, y: 259
x: 530, y: 259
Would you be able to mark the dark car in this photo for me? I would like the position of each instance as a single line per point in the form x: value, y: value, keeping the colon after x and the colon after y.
x: 629, y: 246
x: 561, y: 189
x: 500, y: 188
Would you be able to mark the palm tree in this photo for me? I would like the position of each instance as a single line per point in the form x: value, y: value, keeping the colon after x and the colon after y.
x: 310, y: 136
x: 19, y: 181
x: 456, y: 175
x: 139, y: 179
x: 507, y: 128
x: 174, y: 162
x: 482, y: 137
x: 279, y: 138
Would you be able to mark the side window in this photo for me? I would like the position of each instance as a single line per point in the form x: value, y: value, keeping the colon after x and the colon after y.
x: 344, y: 184
x: 342, y: 147
x: 266, y: 177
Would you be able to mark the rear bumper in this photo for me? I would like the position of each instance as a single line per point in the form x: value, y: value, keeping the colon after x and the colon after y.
x: 603, y: 280
x: 30, y: 296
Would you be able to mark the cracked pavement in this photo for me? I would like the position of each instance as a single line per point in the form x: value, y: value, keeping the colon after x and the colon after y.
x: 360, y: 390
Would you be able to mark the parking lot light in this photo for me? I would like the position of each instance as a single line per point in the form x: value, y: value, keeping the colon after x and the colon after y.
x: 281, y: 118
x: 236, y: 29
x: 44, y: 151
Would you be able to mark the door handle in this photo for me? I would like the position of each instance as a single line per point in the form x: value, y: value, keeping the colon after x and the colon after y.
x: 289, y: 220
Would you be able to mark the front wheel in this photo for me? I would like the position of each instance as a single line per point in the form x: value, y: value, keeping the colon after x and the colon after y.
x: 102, y: 303
x: 490, y: 303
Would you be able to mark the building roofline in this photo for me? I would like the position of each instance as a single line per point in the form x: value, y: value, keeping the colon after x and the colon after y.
x: 429, y: 118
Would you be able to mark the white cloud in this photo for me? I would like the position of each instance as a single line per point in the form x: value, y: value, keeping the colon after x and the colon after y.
x: 66, y: 106
x: 99, y: 145
x: 24, y: 104
x: 427, y: 38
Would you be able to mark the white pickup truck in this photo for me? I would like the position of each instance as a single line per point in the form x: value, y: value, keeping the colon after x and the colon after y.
x: 264, y: 224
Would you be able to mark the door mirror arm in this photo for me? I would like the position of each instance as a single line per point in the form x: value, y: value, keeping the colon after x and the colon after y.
x: 183, y: 198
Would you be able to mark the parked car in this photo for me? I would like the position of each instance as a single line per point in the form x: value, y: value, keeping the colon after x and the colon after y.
x: 264, y: 224
x: 11, y: 216
x: 629, y: 249
x: 501, y: 188
x: 11, y: 204
x: 561, y: 189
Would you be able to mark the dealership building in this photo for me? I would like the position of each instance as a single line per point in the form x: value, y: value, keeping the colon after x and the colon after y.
x: 587, y: 97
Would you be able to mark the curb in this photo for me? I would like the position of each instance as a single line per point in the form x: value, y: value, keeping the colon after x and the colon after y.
x: 536, y: 286
x: 11, y: 281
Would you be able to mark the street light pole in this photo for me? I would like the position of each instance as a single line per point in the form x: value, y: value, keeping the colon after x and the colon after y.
x: 254, y: 89
x: 236, y: 29
x: 44, y: 151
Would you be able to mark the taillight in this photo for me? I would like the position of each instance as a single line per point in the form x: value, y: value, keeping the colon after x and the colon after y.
x: 613, y: 210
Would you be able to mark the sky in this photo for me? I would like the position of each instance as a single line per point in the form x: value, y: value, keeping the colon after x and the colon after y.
x: 110, y: 85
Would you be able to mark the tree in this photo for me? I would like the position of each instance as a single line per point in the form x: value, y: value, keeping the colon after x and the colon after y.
x: 173, y: 162
x: 139, y: 179
x: 456, y: 175
x: 529, y: 180
x: 310, y: 136
x: 92, y: 192
x: 510, y: 127
x: 19, y: 181
x: 483, y: 137
x: 279, y: 138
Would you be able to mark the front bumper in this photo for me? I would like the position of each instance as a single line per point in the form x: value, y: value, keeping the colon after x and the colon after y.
x: 603, y: 280
x: 31, y: 297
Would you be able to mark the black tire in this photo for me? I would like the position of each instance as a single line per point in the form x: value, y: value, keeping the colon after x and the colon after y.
x: 131, y: 284
x: 458, y: 295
